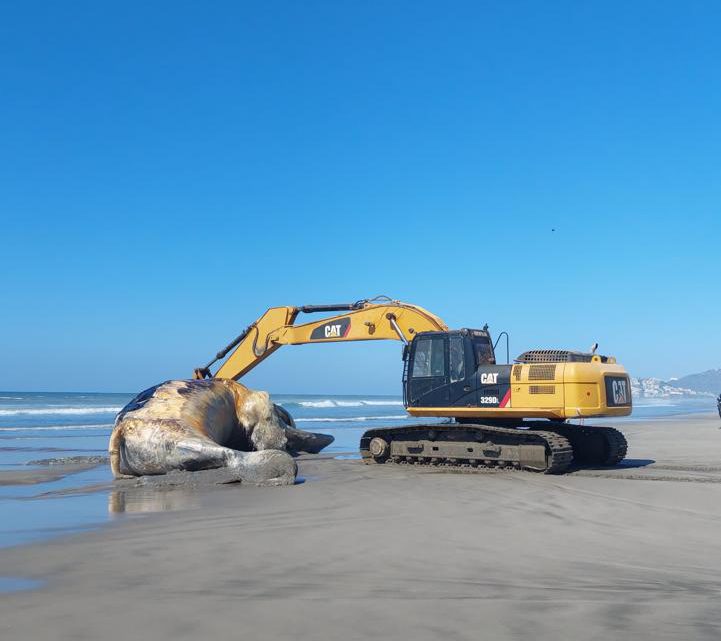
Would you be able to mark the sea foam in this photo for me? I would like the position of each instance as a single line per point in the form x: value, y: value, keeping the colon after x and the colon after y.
x: 351, y: 419
x: 55, y: 428
x: 39, y: 411
x: 344, y: 403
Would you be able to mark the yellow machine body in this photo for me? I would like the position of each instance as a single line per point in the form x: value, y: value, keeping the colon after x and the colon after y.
x: 556, y: 391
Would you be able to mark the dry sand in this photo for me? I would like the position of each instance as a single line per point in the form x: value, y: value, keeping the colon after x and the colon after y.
x: 399, y: 552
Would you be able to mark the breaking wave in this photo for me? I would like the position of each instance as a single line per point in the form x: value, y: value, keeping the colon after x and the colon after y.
x: 55, y: 428
x: 642, y: 404
x: 352, y: 419
x: 39, y: 411
x: 343, y: 403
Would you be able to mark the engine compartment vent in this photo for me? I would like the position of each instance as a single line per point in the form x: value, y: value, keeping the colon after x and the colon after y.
x: 541, y: 389
x: 557, y: 356
x: 542, y: 372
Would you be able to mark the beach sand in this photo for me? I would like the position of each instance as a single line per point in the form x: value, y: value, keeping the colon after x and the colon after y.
x: 398, y: 552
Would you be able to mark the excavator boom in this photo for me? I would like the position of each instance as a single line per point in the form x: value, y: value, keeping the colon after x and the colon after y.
x: 365, y: 320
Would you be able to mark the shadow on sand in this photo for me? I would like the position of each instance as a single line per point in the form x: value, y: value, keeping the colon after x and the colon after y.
x: 635, y: 462
x: 626, y: 464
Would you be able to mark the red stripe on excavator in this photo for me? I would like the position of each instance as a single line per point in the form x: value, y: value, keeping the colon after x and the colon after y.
x: 506, y: 399
x: 347, y: 329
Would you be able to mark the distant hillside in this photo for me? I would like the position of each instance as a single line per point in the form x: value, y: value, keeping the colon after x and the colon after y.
x: 656, y: 388
x: 694, y: 385
x: 709, y: 382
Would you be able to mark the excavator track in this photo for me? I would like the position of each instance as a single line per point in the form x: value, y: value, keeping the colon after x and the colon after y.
x: 469, y: 446
x: 551, y: 450
x: 594, y: 446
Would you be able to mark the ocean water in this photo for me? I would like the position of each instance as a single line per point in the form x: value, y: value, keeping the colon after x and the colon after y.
x: 37, y: 426
x: 40, y: 426
x: 344, y: 417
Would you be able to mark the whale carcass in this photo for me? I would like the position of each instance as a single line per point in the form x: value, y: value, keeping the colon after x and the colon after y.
x: 199, y: 425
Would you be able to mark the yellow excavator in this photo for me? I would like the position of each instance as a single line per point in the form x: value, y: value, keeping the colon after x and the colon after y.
x: 500, y: 415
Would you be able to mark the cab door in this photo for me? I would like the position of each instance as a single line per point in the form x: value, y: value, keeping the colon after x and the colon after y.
x: 428, y: 372
x: 462, y: 381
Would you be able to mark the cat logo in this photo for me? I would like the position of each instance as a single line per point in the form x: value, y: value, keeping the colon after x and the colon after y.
x: 620, y: 391
x: 489, y: 378
x: 332, y: 331
x: 335, y: 329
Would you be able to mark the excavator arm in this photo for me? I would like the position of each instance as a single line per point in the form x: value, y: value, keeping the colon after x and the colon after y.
x: 377, y: 319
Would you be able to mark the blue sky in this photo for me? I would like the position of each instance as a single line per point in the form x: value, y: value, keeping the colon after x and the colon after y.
x: 168, y: 172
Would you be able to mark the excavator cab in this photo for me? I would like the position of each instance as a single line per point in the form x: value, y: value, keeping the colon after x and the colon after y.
x: 454, y: 373
x: 454, y: 369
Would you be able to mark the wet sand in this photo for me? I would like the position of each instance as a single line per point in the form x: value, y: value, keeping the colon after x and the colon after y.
x: 400, y: 552
x: 44, y: 475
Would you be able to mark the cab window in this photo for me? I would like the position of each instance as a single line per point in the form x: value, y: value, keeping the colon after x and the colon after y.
x: 429, y: 359
x: 483, y: 351
x: 457, y: 360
